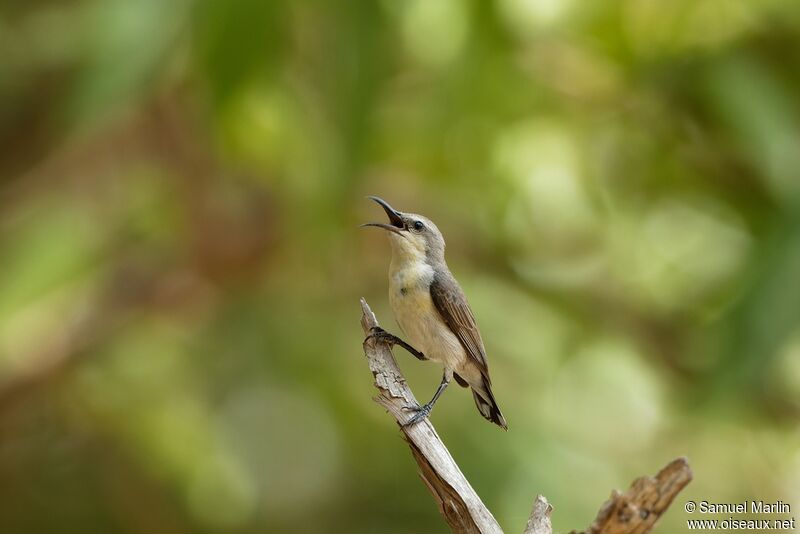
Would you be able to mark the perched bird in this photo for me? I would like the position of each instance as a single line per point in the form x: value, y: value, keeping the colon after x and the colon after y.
x: 433, y: 312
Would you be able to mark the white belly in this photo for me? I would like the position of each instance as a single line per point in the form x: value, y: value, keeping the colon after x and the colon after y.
x: 423, y: 327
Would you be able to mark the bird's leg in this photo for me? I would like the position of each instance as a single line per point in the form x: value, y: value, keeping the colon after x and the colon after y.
x: 376, y: 332
x: 425, y: 410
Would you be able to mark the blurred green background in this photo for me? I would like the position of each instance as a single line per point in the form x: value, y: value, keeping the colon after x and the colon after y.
x: 181, y: 185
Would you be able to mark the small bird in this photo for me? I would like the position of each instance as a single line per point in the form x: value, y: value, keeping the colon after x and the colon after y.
x: 433, y: 312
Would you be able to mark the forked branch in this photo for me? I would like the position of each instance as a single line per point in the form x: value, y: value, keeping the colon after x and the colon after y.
x: 634, y: 512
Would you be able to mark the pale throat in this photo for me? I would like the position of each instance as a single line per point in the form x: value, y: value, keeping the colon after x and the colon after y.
x: 407, y: 250
x: 409, y: 270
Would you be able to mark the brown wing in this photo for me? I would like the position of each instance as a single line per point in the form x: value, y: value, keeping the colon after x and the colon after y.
x: 449, y: 299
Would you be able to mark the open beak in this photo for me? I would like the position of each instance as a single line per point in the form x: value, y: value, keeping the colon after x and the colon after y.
x: 395, y: 219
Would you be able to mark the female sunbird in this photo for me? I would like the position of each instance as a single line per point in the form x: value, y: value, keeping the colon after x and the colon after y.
x: 433, y: 312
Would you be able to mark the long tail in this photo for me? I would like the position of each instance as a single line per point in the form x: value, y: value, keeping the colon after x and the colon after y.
x: 486, y: 404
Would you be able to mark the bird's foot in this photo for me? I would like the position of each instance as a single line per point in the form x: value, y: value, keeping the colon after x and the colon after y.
x: 422, y: 413
x: 378, y: 333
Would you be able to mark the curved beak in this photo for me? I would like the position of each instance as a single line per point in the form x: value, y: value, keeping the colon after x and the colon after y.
x: 395, y: 218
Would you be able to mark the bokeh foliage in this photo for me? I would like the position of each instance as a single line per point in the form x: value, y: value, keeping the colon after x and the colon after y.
x: 180, y: 264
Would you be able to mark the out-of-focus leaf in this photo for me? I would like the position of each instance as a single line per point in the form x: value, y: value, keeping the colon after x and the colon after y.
x: 238, y: 40
x: 44, y: 248
x: 763, y: 116
x: 125, y: 41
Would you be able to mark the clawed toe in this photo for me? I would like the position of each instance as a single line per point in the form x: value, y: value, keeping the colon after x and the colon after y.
x: 378, y: 333
x: 376, y: 330
x: 422, y: 413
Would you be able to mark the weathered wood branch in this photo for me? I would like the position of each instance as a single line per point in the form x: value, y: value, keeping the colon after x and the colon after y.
x: 638, y: 509
x: 462, y: 508
x: 539, y: 520
x: 634, y: 512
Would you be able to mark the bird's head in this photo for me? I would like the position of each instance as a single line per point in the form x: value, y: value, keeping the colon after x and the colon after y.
x: 413, y: 236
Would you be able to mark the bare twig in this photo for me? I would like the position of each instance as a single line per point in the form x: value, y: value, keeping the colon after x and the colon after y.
x: 634, y: 512
x: 637, y: 510
x: 539, y: 521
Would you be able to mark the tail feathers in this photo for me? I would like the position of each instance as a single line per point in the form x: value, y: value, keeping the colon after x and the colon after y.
x: 488, y: 407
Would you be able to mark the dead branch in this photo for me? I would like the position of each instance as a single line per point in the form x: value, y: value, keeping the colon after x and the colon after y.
x: 634, y: 512
x: 638, y: 509
x: 462, y: 508
x: 539, y: 520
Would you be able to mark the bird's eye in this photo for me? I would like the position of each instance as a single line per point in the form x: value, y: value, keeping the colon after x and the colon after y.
x: 418, y: 226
